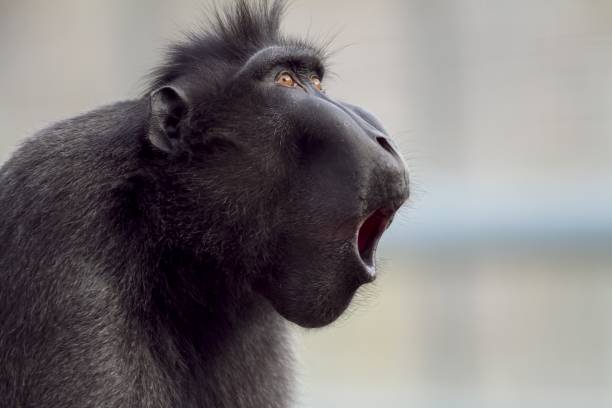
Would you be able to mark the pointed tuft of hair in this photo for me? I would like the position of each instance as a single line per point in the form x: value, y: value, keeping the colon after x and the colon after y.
x: 232, y: 35
x: 249, y: 24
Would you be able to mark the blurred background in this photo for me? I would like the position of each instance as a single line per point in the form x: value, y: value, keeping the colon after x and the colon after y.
x: 496, y: 280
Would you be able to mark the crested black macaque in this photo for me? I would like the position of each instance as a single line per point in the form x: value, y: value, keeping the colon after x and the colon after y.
x: 151, y: 251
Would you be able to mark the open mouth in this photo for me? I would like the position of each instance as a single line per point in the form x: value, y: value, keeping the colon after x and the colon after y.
x: 370, y: 232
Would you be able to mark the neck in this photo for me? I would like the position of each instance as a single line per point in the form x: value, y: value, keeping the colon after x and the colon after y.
x: 221, y: 341
x: 196, y: 329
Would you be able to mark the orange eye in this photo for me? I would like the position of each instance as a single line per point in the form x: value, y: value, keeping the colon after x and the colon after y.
x: 285, y: 79
x: 316, y: 82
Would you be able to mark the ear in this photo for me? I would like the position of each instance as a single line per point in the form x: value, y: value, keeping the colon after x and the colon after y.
x: 168, y: 107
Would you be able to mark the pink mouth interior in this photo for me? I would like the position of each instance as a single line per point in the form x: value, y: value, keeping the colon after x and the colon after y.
x: 370, y: 232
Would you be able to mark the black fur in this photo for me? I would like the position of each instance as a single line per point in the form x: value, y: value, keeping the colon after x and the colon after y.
x: 150, y: 249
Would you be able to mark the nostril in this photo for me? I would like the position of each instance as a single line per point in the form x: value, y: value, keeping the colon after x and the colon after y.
x: 384, y: 143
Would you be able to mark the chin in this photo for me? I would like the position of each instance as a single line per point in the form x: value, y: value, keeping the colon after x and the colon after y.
x: 317, y: 279
x: 315, y: 300
x: 319, y: 316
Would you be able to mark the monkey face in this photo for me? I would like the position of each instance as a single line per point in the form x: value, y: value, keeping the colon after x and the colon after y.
x: 305, y: 183
x: 346, y: 183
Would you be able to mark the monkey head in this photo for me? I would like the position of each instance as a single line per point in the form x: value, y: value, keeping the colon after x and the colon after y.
x: 272, y: 178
